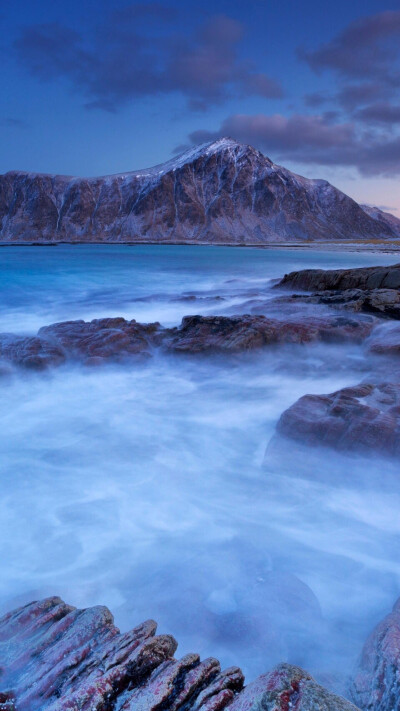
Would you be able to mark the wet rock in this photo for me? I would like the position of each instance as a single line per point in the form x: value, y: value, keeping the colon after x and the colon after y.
x: 365, y: 278
x: 30, y: 352
x: 105, y: 338
x: 200, y: 334
x: 365, y: 418
x: 385, y: 341
x: 288, y: 687
x: 381, y: 302
x: 375, y: 686
x: 57, y: 658
x: 92, y: 343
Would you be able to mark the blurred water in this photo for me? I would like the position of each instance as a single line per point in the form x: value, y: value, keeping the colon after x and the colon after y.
x: 143, y: 487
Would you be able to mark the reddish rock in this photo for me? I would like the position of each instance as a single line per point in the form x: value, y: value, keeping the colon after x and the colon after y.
x: 57, y: 658
x: 364, y: 418
x: 199, y: 334
x: 287, y: 687
x: 375, y: 686
x: 386, y: 341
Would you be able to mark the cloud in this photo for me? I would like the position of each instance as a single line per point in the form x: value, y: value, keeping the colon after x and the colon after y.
x: 312, y: 140
x: 367, y: 48
x: 382, y: 112
x: 137, y: 53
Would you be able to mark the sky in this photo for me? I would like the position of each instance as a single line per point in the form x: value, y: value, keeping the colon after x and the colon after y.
x: 107, y: 86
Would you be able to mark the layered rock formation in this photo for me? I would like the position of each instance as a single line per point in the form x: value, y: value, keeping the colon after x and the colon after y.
x: 220, y: 192
x: 364, y: 419
x: 115, y: 339
x: 376, y: 684
x: 54, y: 657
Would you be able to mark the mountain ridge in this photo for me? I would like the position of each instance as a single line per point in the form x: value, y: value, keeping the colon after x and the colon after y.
x: 221, y: 192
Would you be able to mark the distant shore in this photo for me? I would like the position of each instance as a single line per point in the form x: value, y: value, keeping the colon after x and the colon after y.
x: 348, y: 246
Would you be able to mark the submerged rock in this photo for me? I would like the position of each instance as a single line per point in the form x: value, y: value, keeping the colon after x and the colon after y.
x: 365, y: 419
x: 381, y: 302
x: 375, y: 686
x: 54, y: 657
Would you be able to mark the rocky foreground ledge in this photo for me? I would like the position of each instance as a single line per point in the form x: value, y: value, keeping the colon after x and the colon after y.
x: 54, y: 657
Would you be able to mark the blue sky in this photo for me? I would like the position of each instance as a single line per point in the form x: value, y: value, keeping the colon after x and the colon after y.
x: 90, y: 88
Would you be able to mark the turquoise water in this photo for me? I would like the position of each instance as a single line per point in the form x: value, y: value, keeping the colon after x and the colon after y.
x: 145, y: 487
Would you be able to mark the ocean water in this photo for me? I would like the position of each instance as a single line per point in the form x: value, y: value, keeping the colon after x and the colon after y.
x: 147, y: 487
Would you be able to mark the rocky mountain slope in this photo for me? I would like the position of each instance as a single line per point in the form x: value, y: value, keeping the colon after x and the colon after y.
x: 385, y: 218
x: 220, y: 192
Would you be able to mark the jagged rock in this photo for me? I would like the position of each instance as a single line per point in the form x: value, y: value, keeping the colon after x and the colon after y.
x: 375, y: 686
x: 365, y: 418
x: 57, y: 658
x: 222, y: 192
x: 341, y: 279
x: 288, y: 687
x: 199, y: 334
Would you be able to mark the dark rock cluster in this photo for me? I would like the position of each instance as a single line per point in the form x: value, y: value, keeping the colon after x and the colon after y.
x: 54, y: 657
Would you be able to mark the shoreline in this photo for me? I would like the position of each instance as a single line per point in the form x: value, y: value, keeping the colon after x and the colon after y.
x: 345, y: 246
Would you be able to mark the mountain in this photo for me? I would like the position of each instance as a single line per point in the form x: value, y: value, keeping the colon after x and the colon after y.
x: 219, y: 192
x: 384, y: 218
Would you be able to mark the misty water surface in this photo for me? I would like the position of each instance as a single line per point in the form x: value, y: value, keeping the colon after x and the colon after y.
x: 144, y: 487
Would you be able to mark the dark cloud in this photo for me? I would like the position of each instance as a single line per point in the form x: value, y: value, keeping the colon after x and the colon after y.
x: 382, y: 112
x: 367, y: 49
x: 313, y: 140
x: 316, y: 99
x: 351, y: 96
x: 136, y: 54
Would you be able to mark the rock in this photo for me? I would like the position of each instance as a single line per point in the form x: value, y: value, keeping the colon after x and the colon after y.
x: 288, y: 687
x: 54, y: 657
x: 219, y: 192
x: 93, y: 343
x: 386, y: 341
x: 375, y: 686
x: 200, y: 334
x: 381, y: 302
x: 341, y: 279
x: 365, y: 419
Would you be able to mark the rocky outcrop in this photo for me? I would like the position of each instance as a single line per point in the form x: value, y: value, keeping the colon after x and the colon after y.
x: 381, y: 302
x: 375, y: 686
x: 115, y: 339
x: 54, y: 657
x: 200, y: 334
x: 385, y: 218
x: 364, y: 419
x: 365, y: 278
x: 288, y: 687
x: 220, y: 192
x: 385, y: 341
